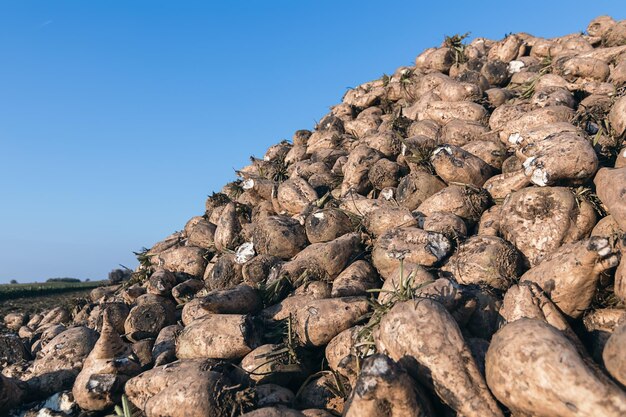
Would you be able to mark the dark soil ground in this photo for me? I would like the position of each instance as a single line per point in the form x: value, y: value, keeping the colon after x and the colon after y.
x: 36, y: 304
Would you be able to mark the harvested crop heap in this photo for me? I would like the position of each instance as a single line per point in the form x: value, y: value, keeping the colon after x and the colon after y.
x: 447, y: 241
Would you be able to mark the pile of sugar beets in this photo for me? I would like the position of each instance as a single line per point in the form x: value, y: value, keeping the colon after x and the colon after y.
x: 446, y: 242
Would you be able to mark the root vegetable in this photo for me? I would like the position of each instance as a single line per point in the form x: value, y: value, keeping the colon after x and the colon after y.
x: 295, y: 194
x: 107, y: 368
x: 538, y: 386
x: 146, y: 320
x: 511, y: 164
x: 520, y: 125
x: 507, y: 49
x: 600, y: 324
x: 187, y: 259
x: 118, y: 312
x: 600, y: 25
x: 486, y: 260
x: 226, y: 273
x: 416, y: 187
x: 424, y: 337
x: 242, y: 299
x: 161, y: 282
x: 464, y: 201
x: 279, y: 236
x: 321, y: 393
x: 444, y: 111
x: 257, y: 269
x: 496, y: 73
x: 387, y: 143
x: 489, y: 224
x: 340, y: 352
x: 560, y: 157
x: 326, y: 225
x: 384, y: 385
x: 356, y: 169
x: 491, y: 152
x: 539, y: 220
x: 185, y: 291
x: 615, y: 35
x: 318, y: 321
x: 611, y: 189
x: 142, y: 351
x: 384, y: 173
x: 202, y: 234
x: 527, y: 300
x: 614, y: 355
x: 227, y: 229
x: 181, y: 389
x: 193, y: 310
x: 410, y: 276
x: 57, y: 315
x: 217, y: 336
x: 570, y: 274
x: 500, y: 186
x: 586, y: 68
x: 414, y: 245
x: 461, y: 132
x: 454, y: 164
x: 13, y: 321
x: 355, y: 280
x: 325, y: 260
x: 60, y: 361
x: 381, y: 220
x: 263, y: 365
x: 164, y: 349
x: 448, y: 224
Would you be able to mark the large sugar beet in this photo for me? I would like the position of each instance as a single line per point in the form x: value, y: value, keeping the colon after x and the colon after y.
x: 187, y: 259
x: 318, y: 321
x: 614, y: 355
x: 411, y: 244
x: 60, y: 361
x: 326, y: 225
x: 485, y: 260
x: 228, y: 227
x: 533, y: 369
x: 570, y: 275
x: 416, y: 187
x: 182, y: 389
x: 355, y: 280
x: 539, y: 220
x: 279, y: 236
x: 560, y: 157
x: 106, y: 370
x: 295, y: 194
x: 424, y: 337
x: 324, y: 260
x: 148, y: 317
x: 217, y: 336
x: 467, y: 202
x: 357, y: 168
x: 381, y: 220
x: 454, y: 164
x: 12, y: 393
x: 611, y: 188
x: 384, y: 385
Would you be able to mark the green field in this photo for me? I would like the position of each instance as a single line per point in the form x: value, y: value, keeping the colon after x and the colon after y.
x: 10, y: 291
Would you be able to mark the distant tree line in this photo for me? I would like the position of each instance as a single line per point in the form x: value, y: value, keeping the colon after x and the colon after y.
x: 62, y: 280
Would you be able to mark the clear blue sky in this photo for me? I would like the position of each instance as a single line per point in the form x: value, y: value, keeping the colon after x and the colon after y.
x: 118, y: 118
